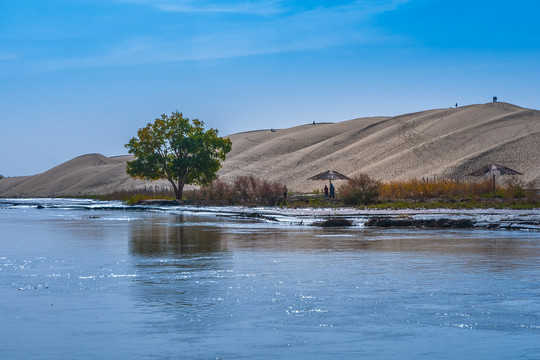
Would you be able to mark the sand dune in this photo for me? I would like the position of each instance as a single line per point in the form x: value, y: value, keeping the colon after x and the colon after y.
x: 90, y: 174
x: 443, y: 142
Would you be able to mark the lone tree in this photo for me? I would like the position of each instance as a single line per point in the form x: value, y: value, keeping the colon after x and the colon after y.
x: 177, y: 149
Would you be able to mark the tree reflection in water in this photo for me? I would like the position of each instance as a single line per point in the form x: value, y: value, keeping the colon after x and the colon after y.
x: 170, y: 236
x: 180, y: 262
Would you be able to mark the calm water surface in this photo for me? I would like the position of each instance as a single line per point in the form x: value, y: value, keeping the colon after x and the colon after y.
x: 135, y: 284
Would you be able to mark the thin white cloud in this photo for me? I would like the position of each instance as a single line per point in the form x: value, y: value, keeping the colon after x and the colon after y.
x: 318, y: 28
x: 311, y: 30
x: 268, y: 7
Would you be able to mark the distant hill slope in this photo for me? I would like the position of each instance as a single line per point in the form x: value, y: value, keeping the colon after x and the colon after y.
x: 442, y: 142
x: 90, y: 174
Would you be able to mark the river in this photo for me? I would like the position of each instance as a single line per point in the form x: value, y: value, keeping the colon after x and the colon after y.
x: 85, y: 279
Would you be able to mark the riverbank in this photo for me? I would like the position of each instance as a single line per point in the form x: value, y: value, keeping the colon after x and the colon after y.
x: 441, y: 203
x: 502, y: 219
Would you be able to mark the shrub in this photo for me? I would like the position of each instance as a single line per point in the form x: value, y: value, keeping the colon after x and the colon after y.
x: 250, y: 190
x: 245, y: 190
x: 217, y: 191
x: 421, y: 190
x: 133, y: 196
x: 361, y: 189
x: 532, y: 195
x: 514, y: 189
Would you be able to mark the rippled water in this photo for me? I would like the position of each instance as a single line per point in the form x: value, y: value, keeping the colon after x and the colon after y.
x: 120, y: 283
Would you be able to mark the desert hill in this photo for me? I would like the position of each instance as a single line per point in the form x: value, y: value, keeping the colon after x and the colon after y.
x: 84, y: 175
x: 442, y: 142
x: 445, y: 143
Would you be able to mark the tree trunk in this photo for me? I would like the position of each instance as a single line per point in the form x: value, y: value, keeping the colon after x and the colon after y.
x: 175, y: 188
x: 179, y: 189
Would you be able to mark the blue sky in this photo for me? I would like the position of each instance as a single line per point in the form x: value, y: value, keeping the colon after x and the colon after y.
x: 81, y: 76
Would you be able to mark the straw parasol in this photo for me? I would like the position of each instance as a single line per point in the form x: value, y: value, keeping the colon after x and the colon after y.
x: 494, y: 169
x: 329, y: 175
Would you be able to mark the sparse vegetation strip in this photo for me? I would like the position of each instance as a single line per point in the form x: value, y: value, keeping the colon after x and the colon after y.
x: 361, y: 191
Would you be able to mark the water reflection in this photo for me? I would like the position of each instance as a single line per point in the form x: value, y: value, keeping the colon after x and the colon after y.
x: 181, y: 261
x: 174, y: 235
x: 498, y: 249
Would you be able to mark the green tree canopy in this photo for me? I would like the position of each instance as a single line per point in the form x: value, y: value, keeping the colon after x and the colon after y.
x: 177, y: 149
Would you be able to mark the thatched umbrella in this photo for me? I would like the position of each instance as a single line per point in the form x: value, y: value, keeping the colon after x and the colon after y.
x: 329, y: 175
x: 494, y: 169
